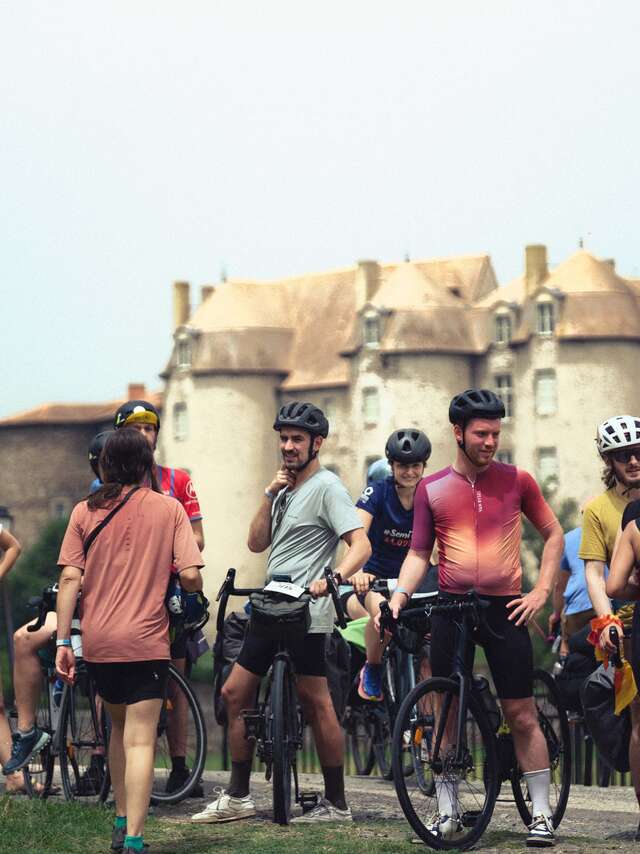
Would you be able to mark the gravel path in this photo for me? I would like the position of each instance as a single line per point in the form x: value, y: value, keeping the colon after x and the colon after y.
x: 597, y: 820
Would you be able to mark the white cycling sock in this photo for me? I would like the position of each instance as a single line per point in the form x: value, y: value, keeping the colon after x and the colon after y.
x: 538, y: 783
x: 447, y: 795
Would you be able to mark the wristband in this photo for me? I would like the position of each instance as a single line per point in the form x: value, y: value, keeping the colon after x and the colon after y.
x: 269, y: 495
x: 63, y: 642
x: 402, y: 590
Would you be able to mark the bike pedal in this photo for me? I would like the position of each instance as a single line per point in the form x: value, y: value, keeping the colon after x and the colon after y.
x: 308, y: 801
x: 252, y: 723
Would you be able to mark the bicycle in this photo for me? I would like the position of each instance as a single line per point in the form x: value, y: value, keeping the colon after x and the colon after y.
x: 369, y: 724
x: 458, y: 740
x: 276, y: 723
x: 75, y: 721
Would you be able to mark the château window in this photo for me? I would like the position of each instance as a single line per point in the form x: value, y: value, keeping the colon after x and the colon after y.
x: 547, y: 466
x: 504, y: 390
x: 546, y: 393
x: 371, y: 332
x: 183, y: 353
x: 503, y: 329
x: 545, y: 318
x: 180, y: 422
x: 370, y: 405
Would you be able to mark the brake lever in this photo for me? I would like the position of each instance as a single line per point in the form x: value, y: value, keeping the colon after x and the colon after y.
x: 387, y: 621
x: 616, y: 658
x: 226, y: 584
x: 333, y: 590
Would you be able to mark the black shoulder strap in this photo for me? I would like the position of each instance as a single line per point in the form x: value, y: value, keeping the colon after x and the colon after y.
x: 89, y: 541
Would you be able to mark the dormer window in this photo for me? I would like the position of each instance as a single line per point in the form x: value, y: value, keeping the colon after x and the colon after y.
x: 503, y: 329
x: 183, y: 352
x: 371, y: 330
x: 545, y: 318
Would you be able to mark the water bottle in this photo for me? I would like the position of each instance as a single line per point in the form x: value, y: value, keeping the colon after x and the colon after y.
x: 76, y: 638
x: 56, y: 688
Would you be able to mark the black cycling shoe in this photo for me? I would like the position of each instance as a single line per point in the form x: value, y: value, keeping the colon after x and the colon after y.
x: 117, y: 838
x: 23, y: 747
x: 178, y: 777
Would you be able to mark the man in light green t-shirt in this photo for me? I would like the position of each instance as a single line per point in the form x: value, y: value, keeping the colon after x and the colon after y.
x: 303, y: 515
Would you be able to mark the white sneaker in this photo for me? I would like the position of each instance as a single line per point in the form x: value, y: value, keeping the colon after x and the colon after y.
x: 443, y: 826
x: 541, y: 833
x: 226, y: 808
x: 324, y: 810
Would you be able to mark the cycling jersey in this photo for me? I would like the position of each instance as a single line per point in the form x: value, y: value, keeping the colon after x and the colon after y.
x: 178, y: 484
x: 390, y: 529
x: 478, y: 526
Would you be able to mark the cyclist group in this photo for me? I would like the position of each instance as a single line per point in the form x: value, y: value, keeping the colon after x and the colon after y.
x: 471, y: 511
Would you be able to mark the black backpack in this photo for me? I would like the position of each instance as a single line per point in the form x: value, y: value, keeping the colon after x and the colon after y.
x: 338, y: 654
x: 610, y: 732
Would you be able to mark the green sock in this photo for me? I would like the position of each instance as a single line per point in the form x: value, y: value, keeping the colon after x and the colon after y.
x: 134, y: 842
x: 121, y: 821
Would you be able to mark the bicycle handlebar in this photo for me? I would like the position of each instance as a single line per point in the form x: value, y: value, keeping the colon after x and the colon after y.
x: 45, y: 604
x: 228, y: 588
x: 471, y: 607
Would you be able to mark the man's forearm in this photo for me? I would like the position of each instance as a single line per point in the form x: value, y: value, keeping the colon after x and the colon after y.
x: 68, y: 590
x: 413, y: 570
x: 354, y: 558
x: 260, y: 528
x: 550, y: 562
x: 596, y: 586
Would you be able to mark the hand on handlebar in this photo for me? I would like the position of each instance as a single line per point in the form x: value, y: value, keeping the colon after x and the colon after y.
x: 606, y: 642
x: 66, y: 664
x: 318, y: 589
x: 362, y: 581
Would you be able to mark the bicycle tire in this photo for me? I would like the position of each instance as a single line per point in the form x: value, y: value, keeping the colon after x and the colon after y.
x: 37, y: 776
x: 555, y: 727
x: 395, y: 686
x: 358, y: 725
x: 476, y: 783
x: 196, y: 738
x: 82, y: 735
x: 284, y: 739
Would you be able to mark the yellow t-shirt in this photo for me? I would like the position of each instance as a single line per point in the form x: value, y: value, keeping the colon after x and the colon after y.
x: 600, y: 525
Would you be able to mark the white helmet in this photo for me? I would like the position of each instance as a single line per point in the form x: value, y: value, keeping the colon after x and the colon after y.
x: 621, y: 431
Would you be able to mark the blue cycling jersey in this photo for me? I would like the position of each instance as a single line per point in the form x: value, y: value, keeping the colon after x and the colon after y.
x: 390, y: 531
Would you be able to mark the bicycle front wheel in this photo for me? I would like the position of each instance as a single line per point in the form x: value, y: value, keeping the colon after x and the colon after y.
x: 181, y: 732
x: 552, y: 718
x: 458, y: 780
x: 360, y: 729
x: 83, y: 743
x: 284, y: 729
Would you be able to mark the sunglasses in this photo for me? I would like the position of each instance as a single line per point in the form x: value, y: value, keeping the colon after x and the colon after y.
x: 624, y: 455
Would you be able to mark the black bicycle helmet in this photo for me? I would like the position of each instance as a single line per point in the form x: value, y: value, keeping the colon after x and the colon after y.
x: 136, y: 412
x: 475, y: 403
x: 95, y: 449
x: 408, y: 445
x: 306, y: 416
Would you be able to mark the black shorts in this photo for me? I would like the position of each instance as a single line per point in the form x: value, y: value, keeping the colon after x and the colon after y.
x: 510, y: 660
x: 308, y: 655
x: 130, y: 682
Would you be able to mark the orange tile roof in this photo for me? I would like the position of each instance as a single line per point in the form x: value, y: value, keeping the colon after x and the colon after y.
x: 71, y: 413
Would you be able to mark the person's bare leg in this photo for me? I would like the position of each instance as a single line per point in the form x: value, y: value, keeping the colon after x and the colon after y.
x: 116, y: 755
x: 317, y: 706
x: 27, y: 675
x: 529, y: 742
x: 177, y: 718
x: 238, y: 694
x: 371, y: 637
x: 139, y: 741
x: 354, y: 609
x: 634, y: 741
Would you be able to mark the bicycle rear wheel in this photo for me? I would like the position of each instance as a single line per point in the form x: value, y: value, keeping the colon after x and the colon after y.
x: 83, y: 742
x: 360, y: 729
x: 38, y: 774
x: 285, y: 731
x: 192, y: 738
x: 450, y: 779
x: 555, y: 727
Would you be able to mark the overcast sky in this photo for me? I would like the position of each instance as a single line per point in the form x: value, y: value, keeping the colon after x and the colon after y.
x: 143, y: 142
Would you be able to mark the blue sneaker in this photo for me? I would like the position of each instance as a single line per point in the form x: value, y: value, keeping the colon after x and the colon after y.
x: 370, y: 684
x: 23, y: 748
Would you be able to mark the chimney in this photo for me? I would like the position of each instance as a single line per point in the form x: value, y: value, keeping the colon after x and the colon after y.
x: 536, y: 270
x: 136, y: 391
x: 367, y: 281
x: 181, y: 307
x: 205, y: 292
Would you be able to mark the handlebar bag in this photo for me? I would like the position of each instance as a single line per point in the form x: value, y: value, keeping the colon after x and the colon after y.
x: 610, y: 732
x: 277, y: 617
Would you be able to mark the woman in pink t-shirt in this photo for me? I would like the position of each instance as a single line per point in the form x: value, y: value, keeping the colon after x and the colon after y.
x: 124, y: 576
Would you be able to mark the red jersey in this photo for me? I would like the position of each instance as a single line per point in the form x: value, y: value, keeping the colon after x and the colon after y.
x: 178, y: 484
x: 478, y: 526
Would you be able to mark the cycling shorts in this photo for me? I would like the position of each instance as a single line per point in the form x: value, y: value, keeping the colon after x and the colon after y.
x: 308, y: 655
x: 510, y: 660
x: 129, y: 682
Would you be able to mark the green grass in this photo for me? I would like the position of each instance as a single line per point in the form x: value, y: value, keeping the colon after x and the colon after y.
x: 44, y: 828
